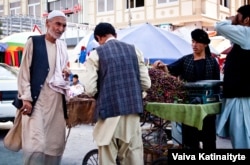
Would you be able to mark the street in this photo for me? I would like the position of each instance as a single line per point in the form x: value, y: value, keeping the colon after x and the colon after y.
x: 80, y: 141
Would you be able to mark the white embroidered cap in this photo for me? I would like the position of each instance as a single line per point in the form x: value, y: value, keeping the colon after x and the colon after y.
x: 56, y: 13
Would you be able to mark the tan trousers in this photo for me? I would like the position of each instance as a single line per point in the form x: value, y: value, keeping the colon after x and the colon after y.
x: 127, y: 153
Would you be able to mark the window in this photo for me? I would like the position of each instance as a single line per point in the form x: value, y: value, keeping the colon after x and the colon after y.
x: 34, y: 8
x: 135, y: 3
x: 1, y: 10
x: 33, y: 1
x: 105, y: 5
x: 63, y: 5
x: 31, y: 10
x: 224, y: 3
x: 57, y: 5
x: 15, y: 8
x: 166, y: 1
x: 246, y: 2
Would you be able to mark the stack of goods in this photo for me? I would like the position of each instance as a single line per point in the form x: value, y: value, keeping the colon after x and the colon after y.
x: 165, y: 88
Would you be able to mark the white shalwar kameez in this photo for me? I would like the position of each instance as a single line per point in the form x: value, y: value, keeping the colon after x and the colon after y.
x: 43, y: 133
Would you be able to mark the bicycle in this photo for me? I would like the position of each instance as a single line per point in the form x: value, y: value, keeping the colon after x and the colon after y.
x: 155, y: 142
x: 91, y: 158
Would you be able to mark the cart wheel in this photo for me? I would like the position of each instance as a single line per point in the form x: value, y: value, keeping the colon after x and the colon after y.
x: 160, y: 161
x: 91, y: 158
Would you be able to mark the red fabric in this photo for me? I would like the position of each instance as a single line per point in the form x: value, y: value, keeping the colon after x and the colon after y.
x: 83, y: 48
x: 16, y: 59
x: 8, y: 58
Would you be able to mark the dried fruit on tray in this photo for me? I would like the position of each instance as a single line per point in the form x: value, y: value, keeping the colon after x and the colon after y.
x: 165, y: 88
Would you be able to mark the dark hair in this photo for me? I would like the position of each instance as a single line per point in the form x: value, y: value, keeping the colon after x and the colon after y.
x: 75, y: 76
x: 245, y: 11
x: 102, y: 29
x: 199, y: 35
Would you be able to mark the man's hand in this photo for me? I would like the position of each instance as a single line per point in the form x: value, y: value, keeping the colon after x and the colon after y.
x: 26, y: 108
x: 160, y: 65
x: 66, y: 72
x: 234, y: 19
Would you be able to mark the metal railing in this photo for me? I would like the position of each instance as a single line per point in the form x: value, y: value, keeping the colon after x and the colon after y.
x: 20, y: 23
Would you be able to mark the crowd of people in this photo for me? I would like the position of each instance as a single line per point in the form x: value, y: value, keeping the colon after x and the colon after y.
x: 115, y: 75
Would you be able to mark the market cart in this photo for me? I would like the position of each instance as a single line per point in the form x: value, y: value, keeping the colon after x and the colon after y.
x: 198, y: 115
x: 156, y: 120
x: 178, y: 112
x: 158, y: 135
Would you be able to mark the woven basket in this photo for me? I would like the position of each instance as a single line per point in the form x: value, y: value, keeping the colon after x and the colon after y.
x: 81, y: 111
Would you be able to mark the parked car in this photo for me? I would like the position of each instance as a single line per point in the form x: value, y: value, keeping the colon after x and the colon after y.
x: 8, y: 91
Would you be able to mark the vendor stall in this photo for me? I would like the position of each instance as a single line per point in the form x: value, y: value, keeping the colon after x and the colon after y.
x: 193, y: 120
x: 189, y: 114
x: 195, y: 115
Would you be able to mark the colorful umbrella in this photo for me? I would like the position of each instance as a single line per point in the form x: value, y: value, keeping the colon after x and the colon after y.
x: 18, y: 39
x: 3, y: 47
x: 15, y: 43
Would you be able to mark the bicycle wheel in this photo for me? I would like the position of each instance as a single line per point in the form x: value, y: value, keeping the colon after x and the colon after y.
x: 91, y: 158
x: 160, y: 161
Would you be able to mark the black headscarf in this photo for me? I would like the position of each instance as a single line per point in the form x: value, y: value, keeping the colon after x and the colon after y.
x: 199, y: 35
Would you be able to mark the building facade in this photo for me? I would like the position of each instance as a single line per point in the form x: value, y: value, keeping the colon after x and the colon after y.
x: 177, y: 13
x: 83, y: 15
x: 23, y: 15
